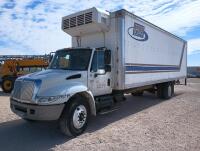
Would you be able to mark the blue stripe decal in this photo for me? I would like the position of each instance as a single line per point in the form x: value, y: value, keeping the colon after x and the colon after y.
x: 151, y: 68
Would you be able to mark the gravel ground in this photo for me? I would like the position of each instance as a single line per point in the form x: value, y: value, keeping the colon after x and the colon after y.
x: 141, y: 123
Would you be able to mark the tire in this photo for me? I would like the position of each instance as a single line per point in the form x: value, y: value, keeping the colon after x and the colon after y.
x: 160, y: 91
x: 172, y: 84
x: 7, y: 84
x: 77, y: 110
x: 138, y: 93
x: 165, y: 90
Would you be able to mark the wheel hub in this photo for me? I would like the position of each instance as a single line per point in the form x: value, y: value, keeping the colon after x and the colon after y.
x: 7, y: 84
x: 79, y: 117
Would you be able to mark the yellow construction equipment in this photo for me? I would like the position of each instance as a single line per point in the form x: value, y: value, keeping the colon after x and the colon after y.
x: 13, y: 66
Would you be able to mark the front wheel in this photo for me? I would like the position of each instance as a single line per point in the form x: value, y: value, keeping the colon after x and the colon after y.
x: 74, y: 118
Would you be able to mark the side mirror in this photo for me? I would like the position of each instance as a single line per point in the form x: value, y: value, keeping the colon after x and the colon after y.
x: 107, y: 57
x: 100, y: 72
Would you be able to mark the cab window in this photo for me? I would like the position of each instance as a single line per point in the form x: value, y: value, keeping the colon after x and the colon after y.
x: 98, y: 61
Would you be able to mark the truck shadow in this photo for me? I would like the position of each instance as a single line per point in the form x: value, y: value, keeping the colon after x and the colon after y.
x: 22, y: 135
x: 132, y: 106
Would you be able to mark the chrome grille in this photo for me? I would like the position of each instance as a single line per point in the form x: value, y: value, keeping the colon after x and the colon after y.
x: 17, y: 90
x: 23, y: 90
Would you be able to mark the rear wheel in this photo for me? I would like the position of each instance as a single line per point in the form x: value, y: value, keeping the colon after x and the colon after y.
x: 168, y: 90
x: 74, y: 118
x: 160, y: 91
x: 165, y: 90
x: 7, y: 85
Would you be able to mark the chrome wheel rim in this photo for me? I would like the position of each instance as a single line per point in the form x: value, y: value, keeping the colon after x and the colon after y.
x: 80, y: 116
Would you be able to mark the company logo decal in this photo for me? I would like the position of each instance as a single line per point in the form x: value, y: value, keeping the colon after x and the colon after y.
x: 137, y: 32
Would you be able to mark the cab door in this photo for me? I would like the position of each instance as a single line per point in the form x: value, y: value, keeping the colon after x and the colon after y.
x: 99, y: 79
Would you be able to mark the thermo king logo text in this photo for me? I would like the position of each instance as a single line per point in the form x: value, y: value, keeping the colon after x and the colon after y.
x: 137, y: 32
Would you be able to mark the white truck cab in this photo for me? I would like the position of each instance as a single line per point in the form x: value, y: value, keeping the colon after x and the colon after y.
x: 73, y: 72
x: 112, y: 54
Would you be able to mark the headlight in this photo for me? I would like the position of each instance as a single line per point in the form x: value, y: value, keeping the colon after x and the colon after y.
x: 50, y: 99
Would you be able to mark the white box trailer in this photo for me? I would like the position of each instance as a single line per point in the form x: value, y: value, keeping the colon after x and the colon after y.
x: 142, y: 52
x: 112, y: 54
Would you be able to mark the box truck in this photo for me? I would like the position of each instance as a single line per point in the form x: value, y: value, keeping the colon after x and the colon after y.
x: 112, y: 53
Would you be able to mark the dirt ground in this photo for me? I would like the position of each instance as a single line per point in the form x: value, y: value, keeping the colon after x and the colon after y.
x: 142, y: 123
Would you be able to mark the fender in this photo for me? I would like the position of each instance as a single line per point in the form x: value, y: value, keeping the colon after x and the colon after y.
x: 83, y: 90
x: 67, y: 92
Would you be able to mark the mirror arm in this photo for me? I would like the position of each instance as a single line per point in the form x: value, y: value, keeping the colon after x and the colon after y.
x: 95, y: 75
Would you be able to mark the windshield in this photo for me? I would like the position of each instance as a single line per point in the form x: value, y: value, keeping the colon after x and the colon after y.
x: 71, y: 59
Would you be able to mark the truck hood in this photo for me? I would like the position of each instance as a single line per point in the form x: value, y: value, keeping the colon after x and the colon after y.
x: 51, y: 73
x: 56, y: 82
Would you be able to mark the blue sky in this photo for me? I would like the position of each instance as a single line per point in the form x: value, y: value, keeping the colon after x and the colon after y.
x: 34, y: 26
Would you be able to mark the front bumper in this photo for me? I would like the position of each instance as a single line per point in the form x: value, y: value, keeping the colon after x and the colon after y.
x: 36, y: 112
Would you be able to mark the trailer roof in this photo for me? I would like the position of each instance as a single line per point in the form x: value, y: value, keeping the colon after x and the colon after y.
x: 122, y: 12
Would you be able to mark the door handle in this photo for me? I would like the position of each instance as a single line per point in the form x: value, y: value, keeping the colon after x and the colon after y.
x: 108, y: 82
